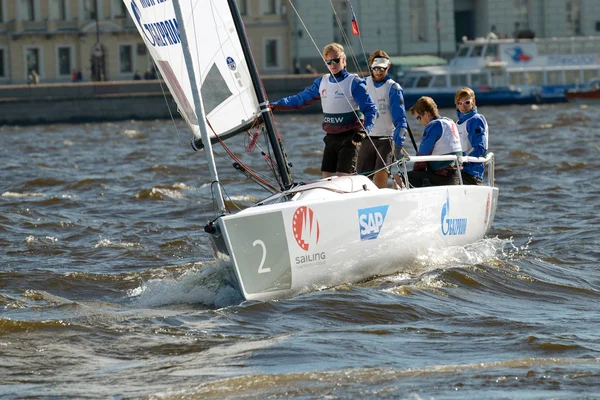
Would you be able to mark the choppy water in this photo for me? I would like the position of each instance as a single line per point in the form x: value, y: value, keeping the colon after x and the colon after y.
x: 108, y: 288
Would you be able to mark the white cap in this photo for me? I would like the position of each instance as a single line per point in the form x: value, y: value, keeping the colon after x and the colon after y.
x: 380, y: 62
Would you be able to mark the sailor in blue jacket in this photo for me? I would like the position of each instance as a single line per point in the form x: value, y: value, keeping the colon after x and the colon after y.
x: 440, y: 137
x: 473, y: 131
x: 390, y: 128
x: 348, y: 111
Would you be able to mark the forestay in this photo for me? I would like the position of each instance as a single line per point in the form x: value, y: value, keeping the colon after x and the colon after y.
x: 230, y: 102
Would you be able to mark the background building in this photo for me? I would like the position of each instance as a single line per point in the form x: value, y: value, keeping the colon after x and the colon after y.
x: 98, y: 38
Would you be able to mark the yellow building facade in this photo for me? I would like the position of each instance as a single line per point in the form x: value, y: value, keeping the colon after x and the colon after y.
x: 57, y: 38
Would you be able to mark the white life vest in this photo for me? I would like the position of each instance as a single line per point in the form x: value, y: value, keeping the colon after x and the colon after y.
x: 449, y: 142
x: 384, y: 125
x: 339, y: 107
x: 464, y: 135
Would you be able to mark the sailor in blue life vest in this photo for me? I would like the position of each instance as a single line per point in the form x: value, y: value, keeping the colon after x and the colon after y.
x: 473, y: 132
x: 439, y: 138
x: 348, y: 111
x: 376, y: 152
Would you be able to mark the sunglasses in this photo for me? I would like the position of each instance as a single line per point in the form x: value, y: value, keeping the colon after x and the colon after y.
x: 333, y: 61
x: 466, y: 102
x: 379, y: 69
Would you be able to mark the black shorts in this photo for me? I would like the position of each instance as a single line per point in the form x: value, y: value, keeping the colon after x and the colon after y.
x: 374, y: 154
x: 340, y: 153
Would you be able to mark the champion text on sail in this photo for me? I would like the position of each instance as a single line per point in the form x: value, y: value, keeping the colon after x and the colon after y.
x: 150, y: 3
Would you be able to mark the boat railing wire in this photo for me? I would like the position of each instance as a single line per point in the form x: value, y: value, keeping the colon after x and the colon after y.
x: 488, y: 161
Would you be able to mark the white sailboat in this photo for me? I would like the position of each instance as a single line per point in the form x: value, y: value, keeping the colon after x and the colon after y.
x: 303, y: 237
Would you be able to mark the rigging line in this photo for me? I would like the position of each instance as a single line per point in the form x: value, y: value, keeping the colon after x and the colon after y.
x: 178, y: 134
x: 236, y: 159
x: 323, y: 58
x: 362, y: 47
x: 345, y: 37
x: 357, y: 65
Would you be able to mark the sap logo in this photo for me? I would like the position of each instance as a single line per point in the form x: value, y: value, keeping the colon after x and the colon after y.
x: 370, y: 221
x: 305, y: 227
x: 340, y: 94
x: 452, y: 226
x: 333, y: 120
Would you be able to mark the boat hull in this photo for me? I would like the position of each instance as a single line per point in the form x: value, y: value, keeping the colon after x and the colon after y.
x: 325, y: 238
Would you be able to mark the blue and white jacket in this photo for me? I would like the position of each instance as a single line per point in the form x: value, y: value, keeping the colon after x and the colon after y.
x: 348, y: 120
x: 473, y: 130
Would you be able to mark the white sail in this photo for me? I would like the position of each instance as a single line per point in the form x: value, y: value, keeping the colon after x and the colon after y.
x: 230, y: 102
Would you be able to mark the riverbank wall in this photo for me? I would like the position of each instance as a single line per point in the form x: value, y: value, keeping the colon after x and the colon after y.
x: 111, y: 101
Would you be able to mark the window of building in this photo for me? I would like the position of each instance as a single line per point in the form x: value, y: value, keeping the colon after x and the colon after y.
x: 58, y: 10
x: 458, y: 80
x: 573, y: 17
x: 242, y: 6
x: 588, y: 74
x: 521, y: 12
x: 3, y: 63
x: 491, y: 50
x: 462, y: 51
x: 125, y: 58
x: 554, y: 77
x: 573, y: 76
x: 271, y: 53
x: 268, y: 7
x: 424, y: 81
x: 535, y: 78
x: 418, y: 21
x: 90, y: 9
x: 27, y: 10
x: 480, y: 80
x: 477, y: 51
x: 439, y: 81
x: 64, y: 58
x: 119, y: 10
x: 343, y: 13
x: 32, y: 60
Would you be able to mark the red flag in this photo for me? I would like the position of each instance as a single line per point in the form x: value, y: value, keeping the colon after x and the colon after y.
x: 355, y: 30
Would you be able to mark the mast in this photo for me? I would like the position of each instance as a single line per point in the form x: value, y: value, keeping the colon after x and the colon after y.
x: 198, y: 106
x: 261, y: 96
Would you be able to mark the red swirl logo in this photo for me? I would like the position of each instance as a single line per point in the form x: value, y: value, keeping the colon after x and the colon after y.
x: 305, y: 227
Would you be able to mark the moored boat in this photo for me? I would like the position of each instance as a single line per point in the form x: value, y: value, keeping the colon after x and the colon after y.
x: 510, y: 71
x: 588, y: 92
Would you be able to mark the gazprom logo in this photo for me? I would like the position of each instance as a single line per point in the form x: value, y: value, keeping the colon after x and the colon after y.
x: 452, y: 226
x: 371, y: 221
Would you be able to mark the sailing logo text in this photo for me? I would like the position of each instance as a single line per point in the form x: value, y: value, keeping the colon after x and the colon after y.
x: 371, y: 221
x: 452, y: 226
